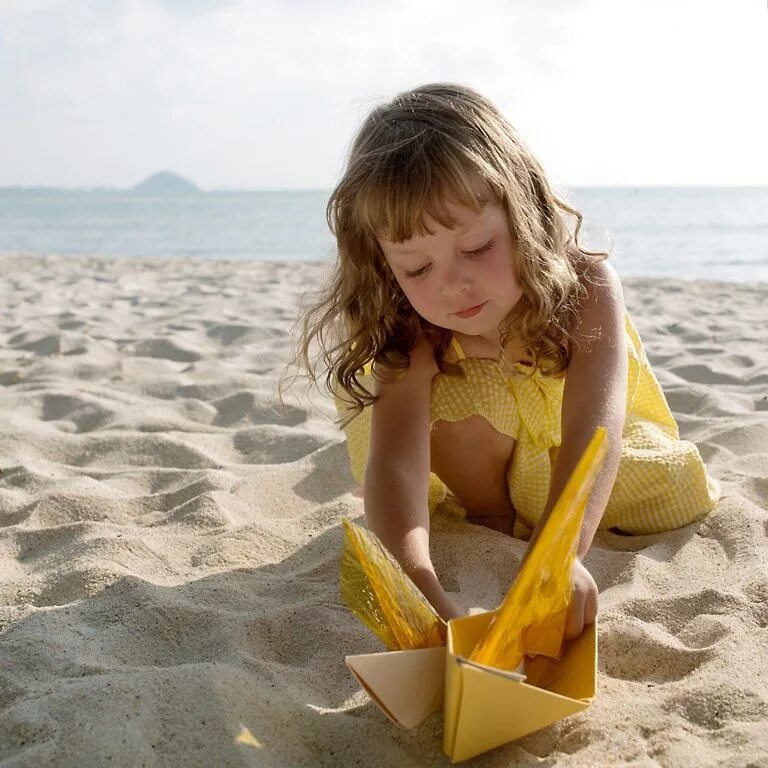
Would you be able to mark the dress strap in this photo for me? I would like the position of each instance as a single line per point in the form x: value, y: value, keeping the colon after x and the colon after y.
x: 457, y: 348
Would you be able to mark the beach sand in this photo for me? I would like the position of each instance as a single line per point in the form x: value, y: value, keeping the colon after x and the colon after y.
x: 169, y: 541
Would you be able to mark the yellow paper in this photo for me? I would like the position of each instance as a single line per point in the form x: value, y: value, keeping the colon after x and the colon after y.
x: 532, y: 617
x: 383, y: 597
x: 485, y: 705
x: 407, y: 685
x: 485, y: 708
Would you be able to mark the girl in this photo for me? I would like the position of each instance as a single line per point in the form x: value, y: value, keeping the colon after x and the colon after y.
x: 472, y: 344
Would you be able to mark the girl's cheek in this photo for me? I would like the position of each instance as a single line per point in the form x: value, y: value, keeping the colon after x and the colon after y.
x: 412, y: 295
x: 421, y: 299
x: 503, y: 270
x: 427, y: 296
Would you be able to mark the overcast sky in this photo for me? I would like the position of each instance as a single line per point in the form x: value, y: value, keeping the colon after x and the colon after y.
x: 267, y: 95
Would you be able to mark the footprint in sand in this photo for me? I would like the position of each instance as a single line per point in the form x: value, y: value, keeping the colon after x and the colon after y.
x: 687, y: 331
x: 249, y: 407
x: 676, y: 612
x: 273, y: 444
x: 633, y: 650
x: 229, y: 333
x: 715, y: 706
x: 743, y: 437
x: 684, y: 400
x: 51, y: 344
x: 86, y: 415
x: 183, y: 488
x: 693, y: 619
x: 167, y: 349
x: 703, y: 374
x: 137, y: 450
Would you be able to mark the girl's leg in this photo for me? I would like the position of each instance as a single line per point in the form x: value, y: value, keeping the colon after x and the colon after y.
x: 471, y: 458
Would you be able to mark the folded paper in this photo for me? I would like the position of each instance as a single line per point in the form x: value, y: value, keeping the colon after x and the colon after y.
x: 485, y: 707
x: 491, y: 687
x: 383, y: 597
x: 407, y: 685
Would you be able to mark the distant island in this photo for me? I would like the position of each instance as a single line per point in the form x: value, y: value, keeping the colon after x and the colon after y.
x: 166, y: 183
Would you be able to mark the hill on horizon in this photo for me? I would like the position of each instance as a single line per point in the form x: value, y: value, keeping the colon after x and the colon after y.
x: 165, y: 183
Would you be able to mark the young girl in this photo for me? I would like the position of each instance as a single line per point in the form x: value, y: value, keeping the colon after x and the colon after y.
x: 473, y: 344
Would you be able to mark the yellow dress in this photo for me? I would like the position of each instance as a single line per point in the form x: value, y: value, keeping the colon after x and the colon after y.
x: 661, y: 483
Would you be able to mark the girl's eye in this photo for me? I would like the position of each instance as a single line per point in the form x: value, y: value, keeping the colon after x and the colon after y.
x: 477, y: 252
x: 480, y: 251
x: 417, y: 272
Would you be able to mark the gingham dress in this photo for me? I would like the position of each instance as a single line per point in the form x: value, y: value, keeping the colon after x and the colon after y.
x: 661, y: 483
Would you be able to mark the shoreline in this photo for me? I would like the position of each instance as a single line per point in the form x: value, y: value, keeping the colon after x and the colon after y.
x: 23, y: 257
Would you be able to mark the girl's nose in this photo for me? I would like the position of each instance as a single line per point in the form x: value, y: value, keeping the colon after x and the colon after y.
x: 455, y: 280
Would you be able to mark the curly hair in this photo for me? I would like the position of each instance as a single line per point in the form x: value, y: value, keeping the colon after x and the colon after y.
x: 425, y: 147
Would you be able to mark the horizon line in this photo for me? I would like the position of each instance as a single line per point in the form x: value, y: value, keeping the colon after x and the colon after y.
x: 198, y: 191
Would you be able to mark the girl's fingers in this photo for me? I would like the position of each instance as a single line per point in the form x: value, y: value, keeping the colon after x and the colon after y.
x: 574, y: 623
x: 590, y: 607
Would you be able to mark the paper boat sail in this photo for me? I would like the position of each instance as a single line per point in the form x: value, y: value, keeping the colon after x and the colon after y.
x: 383, y: 597
x: 485, y: 702
x: 408, y: 682
x: 531, y: 619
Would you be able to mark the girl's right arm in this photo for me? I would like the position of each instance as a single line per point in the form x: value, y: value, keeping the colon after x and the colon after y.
x: 396, y: 482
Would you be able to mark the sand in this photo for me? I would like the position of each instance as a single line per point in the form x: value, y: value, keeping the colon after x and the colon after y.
x: 169, y: 541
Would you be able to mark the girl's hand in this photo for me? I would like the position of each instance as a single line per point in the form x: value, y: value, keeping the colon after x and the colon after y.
x: 446, y: 608
x: 583, y: 606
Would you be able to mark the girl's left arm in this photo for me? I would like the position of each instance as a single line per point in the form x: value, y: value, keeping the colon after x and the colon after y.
x: 595, y: 394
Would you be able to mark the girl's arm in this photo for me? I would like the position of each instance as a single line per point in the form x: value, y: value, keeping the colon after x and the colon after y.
x: 396, y: 481
x: 595, y: 394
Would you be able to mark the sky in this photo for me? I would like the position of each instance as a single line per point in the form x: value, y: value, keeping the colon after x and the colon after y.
x: 267, y: 95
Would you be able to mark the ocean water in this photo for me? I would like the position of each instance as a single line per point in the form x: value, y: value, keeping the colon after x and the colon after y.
x: 712, y: 233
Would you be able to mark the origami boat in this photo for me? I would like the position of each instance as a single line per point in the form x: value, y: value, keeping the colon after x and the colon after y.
x: 491, y: 688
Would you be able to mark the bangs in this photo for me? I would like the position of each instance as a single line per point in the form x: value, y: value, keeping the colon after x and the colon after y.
x: 404, y: 188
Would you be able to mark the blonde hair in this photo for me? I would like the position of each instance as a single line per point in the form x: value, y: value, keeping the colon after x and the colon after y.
x: 424, y: 147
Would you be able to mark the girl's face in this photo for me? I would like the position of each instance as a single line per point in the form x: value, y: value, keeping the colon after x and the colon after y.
x: 464, y: 278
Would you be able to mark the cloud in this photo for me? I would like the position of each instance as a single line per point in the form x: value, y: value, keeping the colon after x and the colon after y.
x: 269, y: 93
x: 204, y: 78
x: 186, y: 7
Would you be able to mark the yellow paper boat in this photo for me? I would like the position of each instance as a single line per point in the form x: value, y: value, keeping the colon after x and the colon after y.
x: 486, y: 707
x: 476, y: 678
x: 408, y: 686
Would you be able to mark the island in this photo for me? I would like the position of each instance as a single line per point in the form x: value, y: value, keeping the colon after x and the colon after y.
x: 166, y: 183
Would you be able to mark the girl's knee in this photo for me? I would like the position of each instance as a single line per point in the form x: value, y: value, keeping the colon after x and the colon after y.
x: 471, y: 458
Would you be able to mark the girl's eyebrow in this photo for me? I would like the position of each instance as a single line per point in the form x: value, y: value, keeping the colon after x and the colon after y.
x: 417, y: 252
x: 408, y: 253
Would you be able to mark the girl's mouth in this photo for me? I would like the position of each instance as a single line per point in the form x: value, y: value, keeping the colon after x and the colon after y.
x: 471, y: 312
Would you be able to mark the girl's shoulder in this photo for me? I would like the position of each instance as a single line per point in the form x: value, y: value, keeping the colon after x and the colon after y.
x: 600, y: 316
x: 400, y: 412
x: 602, y: 289
x: 598, y: 268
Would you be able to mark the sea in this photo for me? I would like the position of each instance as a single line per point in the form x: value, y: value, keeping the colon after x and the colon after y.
x: 714, y: 233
